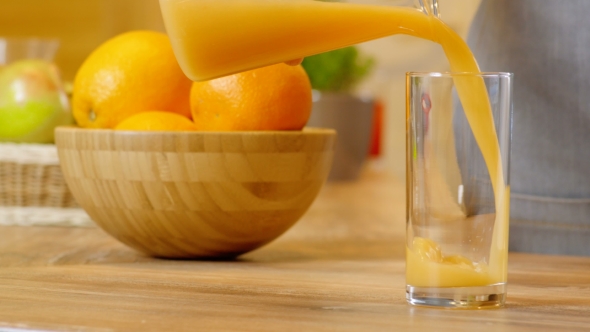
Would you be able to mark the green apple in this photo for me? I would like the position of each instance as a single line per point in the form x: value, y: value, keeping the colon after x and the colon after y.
x: 32, y: 102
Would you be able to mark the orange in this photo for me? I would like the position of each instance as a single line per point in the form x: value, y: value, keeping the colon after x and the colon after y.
x: 276, y: 97
x: 131, y: 73
x: 156, y: 121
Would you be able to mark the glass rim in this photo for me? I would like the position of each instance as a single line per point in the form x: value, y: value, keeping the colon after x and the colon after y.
x: 453, y: 74
x: 29, y: 39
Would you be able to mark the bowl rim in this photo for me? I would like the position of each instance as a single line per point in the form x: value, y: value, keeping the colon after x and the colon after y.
x: 95, y: 131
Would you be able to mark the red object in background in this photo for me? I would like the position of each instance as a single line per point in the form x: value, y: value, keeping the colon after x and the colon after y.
x: 377, y: 130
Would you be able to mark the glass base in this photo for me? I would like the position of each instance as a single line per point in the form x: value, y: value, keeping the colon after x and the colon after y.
x: 480, y: 297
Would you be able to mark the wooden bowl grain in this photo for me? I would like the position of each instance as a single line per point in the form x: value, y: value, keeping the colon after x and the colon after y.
x: 195, y: 194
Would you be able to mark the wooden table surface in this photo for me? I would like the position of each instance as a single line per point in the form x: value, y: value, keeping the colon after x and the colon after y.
x: 340, y: 268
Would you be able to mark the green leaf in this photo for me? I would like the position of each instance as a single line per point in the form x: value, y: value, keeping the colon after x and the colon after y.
x: 337, y: 71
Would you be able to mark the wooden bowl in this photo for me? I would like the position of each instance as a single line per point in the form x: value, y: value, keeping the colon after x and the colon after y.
x: 195, y: 194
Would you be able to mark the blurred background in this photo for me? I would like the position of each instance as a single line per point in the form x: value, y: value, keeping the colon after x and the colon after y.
x: 83, y: 25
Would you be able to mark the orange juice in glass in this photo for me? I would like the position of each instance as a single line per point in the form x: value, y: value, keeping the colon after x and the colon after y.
x: 213, y: 38
x: 457, y: 204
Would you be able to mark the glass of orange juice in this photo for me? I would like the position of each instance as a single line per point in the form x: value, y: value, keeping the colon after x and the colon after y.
x: 458, y: 191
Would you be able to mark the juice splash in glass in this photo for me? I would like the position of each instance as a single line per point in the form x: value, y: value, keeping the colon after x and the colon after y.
x: 213, y: 38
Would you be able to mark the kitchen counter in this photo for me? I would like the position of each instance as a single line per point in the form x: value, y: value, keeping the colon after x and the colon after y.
x: 340, y: 268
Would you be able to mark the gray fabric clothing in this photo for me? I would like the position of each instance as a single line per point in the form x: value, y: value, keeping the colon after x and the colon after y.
x: 546, y: 44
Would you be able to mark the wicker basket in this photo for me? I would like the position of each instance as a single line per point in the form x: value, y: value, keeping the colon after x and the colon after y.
x: 32, y: 188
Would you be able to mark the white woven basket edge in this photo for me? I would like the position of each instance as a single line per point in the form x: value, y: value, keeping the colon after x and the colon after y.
x: 25, y: 153
x: 44, y: 216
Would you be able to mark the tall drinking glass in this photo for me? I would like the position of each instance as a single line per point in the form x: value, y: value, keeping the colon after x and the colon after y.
x: 458, y: 157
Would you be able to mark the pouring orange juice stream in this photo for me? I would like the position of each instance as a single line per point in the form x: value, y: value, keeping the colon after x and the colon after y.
x: 214, y: 38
